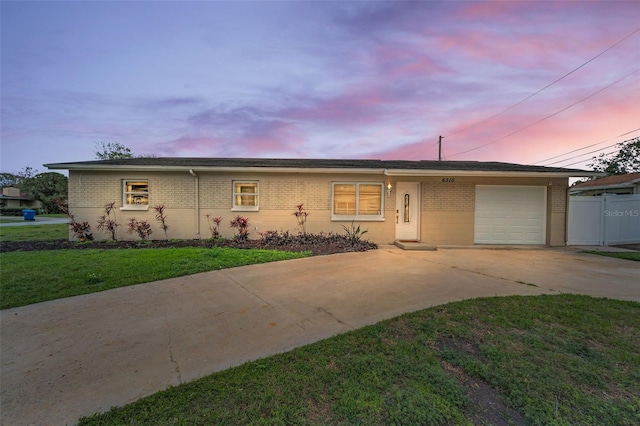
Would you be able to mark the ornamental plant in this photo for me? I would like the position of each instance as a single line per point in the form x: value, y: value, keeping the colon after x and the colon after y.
x: 106, y: 222
x: 81, y: 230
x: 354, y: 234
x: 214, y: 225
x: 141, y: 227
x: 301, y: 215
x: 241, y: 225
x: 162, y: 219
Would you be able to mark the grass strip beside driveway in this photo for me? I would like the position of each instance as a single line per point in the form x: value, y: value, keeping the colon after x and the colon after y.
x: 31, y: 277
x: 536, y: 360
x: 628, y: 255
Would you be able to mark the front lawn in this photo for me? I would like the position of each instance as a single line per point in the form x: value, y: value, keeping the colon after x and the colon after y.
x: 536, y: 360
x: 58, y: 231
x: 31, y: 277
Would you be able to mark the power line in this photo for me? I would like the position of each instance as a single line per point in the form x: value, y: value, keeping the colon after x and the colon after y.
x: 583, y: 154
x: 582, y: 161
x: 585, y: 147
x: 545, y: 87
x: 591, y: 152
x: 547, y: 117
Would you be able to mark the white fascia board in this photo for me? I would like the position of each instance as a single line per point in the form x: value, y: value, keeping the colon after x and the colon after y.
x: 214, y: 169
x: 612, y: 186
x: 483, y: 173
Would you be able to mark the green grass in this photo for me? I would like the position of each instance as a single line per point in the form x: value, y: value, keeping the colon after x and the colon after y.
x: 628, y: 255
x: 31, y: 277
x: 538, y: 360
x: 59, y: 231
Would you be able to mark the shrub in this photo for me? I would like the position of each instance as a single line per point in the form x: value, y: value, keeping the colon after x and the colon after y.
x: 81, y: 230
x: 275, y: 239
x: 214, y: 225
x: 301, y: 215
x: 241, y: 225
x: 13, y: 211
x: 106, y: 223
x: 353, y: 234
x: 162, y: 219
x: 141, y: 227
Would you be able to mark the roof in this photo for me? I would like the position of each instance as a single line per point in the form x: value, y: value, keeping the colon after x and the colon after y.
x: 11, y: 197
x: 615, y: 181
x: 389, y: 167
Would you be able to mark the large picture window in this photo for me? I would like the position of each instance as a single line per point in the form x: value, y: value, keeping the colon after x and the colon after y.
x: 135, y: 194
x: 361, y: 201
x: 245, y: 196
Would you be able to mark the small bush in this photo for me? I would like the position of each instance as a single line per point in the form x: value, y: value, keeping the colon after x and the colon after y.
x: 301, y: 215
x: 214, y: 226
x: 162, y: 219
x: 106, y: 222
x: 81, y: 230
x: 241, y: 225
x: 140, y: 227
x: 354, y: 234
x: 13, y: 211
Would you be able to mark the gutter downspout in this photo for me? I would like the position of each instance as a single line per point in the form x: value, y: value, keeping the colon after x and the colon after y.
x: 197, y: 209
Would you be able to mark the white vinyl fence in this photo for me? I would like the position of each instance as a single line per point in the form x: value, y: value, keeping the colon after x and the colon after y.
x: 604, y: 220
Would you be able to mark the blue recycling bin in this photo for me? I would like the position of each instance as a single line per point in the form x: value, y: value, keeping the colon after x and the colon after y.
x: 29, y: 214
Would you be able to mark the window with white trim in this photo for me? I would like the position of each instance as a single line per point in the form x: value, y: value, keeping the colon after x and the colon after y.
x: 357, y: 201
x: 135, y: 194
x: 245, y: 196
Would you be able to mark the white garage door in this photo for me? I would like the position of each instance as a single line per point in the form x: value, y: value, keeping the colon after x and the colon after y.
x: 510, y: 215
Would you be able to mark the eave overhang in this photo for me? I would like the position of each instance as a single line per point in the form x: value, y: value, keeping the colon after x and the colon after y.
x: 323, y: 170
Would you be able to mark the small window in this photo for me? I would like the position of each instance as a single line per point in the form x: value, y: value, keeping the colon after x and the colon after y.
x: 245, y: 196
x: 135, y: 194
x: 357, y: 201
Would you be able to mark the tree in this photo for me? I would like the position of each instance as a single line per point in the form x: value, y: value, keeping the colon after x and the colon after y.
x: 112, y: 151
x: 626, y: 160
x: 18, y: 179
x: 48, y: 188
x: 8, y: 179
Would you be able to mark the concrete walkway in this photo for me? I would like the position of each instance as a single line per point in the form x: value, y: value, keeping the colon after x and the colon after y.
x: 73, y: 357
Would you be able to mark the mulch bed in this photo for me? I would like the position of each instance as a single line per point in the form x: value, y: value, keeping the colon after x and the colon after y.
x: 330, y: 246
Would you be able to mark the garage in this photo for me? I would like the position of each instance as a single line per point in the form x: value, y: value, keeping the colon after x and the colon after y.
x: 510, y: 214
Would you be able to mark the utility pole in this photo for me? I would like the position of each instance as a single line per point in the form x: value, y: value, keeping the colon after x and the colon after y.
x: 440, y: 149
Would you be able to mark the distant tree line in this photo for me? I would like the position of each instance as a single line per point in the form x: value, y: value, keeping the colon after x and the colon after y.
x: 47, y: 187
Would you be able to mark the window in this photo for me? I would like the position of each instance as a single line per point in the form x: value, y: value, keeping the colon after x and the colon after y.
x: 362, y: 201
x: 135, y: 194
x: 245, y: 196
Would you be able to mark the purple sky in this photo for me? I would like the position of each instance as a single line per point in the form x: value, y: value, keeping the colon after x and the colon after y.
x: 317, y: 79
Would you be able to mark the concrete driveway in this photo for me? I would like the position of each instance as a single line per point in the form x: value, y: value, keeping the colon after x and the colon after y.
x: 73, y: 357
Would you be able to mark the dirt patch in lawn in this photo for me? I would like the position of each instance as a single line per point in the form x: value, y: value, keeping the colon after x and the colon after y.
x: 489, y: 408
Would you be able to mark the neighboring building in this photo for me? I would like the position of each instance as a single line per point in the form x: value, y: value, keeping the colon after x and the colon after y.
x: 440, y: 203
x: 12, y: 198
x: 617, y: 184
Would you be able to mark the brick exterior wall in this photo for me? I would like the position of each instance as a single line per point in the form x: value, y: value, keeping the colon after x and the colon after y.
x: 558, y: 199
x: 447, y: 209
x: 459, y: 197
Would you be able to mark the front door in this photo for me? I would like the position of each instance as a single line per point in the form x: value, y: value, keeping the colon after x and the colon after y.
x: 407, y: 211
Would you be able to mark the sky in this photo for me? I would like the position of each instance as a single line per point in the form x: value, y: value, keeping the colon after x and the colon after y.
x: 319, y: 79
